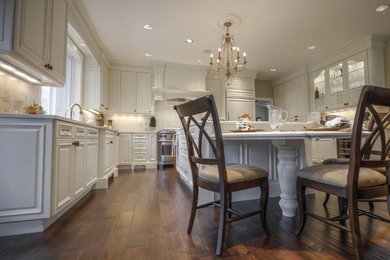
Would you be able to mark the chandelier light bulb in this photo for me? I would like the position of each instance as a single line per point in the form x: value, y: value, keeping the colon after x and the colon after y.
x: 244, y: 54
x: 219, y: 49
x: 211, y: 55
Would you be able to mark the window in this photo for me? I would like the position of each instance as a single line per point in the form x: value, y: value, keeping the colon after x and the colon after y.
x: 57, y: 101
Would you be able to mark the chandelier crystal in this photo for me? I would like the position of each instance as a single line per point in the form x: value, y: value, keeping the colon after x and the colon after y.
x: 229, y: 62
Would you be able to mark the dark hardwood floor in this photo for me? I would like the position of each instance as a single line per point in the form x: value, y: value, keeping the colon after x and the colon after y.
x: 143, y: 215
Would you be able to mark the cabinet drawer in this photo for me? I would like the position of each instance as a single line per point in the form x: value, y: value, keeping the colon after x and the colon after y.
x: 139, y: 157
x: 110, y: 134
x: 137, y: 145
x: 92, y: 133
x: 140, y: 136
x: 80, y: 131
x: 64, y: 129
x: 240, y: 94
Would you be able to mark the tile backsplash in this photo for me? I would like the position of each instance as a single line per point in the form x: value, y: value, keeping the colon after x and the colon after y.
x: 16, y: 94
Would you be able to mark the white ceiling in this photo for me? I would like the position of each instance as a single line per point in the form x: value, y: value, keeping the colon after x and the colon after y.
x: 274, y: 33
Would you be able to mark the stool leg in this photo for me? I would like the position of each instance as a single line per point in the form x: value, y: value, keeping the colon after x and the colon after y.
x: 302, y: 205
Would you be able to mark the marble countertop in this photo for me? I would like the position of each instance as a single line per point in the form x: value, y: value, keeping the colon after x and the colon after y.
x: 51, y: 117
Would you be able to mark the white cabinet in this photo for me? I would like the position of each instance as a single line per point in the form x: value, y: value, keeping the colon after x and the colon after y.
x: 107, y: 157
x: 323, y: 149
x: 114, y: 93
x: 39, y: 45
x: 128, y: 89
x: 237, y: 107
x: 79, y: 167
x: 339, y: 84
x: 130, y: 92
x: 104, y: 83
x: 75, y: 163
x: 6, y: 24
x: 144, y: 93
x: 91, y: 161
x: 138, y: 149
x: 152, y: 148
x: 292, y: 95
x: 240, y: 98
x: 64, y: 172
x: 125, y: 149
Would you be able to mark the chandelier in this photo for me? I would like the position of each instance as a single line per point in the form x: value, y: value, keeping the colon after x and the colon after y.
x: 229, y: 62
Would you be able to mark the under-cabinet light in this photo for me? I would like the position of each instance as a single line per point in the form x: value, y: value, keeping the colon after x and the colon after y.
x: 18, y: 73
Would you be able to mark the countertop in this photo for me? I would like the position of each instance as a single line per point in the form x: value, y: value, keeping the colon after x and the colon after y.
x: 51, y: 117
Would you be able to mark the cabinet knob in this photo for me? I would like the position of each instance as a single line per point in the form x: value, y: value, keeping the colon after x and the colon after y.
x: 135, y: 110
x: 106, y: 108
x: 102, y: 105
x: 326, y: 107
x: 111, y: 142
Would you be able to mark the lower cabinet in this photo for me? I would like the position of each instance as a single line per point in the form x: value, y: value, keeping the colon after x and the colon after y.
x: 323, y: 149
x: 138, y: 149
x: 75, y: 162
x: 107, y: 157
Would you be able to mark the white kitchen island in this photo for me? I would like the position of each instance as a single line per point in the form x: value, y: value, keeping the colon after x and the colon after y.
x: 280, y: 153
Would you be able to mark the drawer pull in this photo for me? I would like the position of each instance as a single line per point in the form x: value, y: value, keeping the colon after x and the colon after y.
x: 76, y: 143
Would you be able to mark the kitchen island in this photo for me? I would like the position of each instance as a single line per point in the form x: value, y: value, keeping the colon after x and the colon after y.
x: 280, y: 153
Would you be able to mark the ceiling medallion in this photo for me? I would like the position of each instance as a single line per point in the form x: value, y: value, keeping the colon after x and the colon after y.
x: 229, y: 62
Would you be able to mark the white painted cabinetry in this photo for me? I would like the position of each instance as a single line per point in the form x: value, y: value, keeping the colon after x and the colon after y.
x: 291, y: 94
x: 323, y: 149
x: 240, y: 98
x: 107, y: 157
x: 6, y: 24
x: 138, y: 149
x: 75, y: 162
x: 39, y: 39
x: 130, y: 92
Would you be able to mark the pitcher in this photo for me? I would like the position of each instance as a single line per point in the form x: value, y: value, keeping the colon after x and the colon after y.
x: 277, y: 117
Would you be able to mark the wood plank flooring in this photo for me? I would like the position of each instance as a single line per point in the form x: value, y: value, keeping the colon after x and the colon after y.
x: 143, y: 215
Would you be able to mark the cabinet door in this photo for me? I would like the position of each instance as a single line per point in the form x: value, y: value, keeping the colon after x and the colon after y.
x: 91, y: 162
x: 114, y: 95
x: 58, y: 34
x: 79, y: 167
x: 144, y: 93
x: 152, y: 147
x: 64, y: 173
x: 32, y: 38
x: 104, y: 82
x: 125, y: 148
x: 6, y: 24
x: 336, y: 85
x: 318, y: 92
x: 128, y: 98
x: 236, y: 107
x: 357, y: 77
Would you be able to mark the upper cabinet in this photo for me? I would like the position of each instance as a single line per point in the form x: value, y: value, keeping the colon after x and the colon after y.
x: 339, y: 85
x: 130, y: 92
x: 38, y: 38
x: 336, y: 81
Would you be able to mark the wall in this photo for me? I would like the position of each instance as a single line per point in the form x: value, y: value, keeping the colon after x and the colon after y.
x: 16, y: 94
x: 264, y: 88
x: 131, y: 123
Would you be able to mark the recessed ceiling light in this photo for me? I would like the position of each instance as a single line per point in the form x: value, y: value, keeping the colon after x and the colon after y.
x: 311, y: 47
x: 148, y: 27
x: 381, y: 8
x: 148, y: 55
x: 82, y: 44
x: 273, y: 70
x: 189, y: 41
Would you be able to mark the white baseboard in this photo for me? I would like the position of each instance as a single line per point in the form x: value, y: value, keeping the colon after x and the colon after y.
x: 102, y: 182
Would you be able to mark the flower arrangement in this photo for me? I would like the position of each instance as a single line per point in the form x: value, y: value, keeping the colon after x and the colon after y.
x: 245, y: 117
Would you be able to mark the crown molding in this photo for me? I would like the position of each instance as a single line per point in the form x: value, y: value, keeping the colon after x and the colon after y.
x: 79, y: 18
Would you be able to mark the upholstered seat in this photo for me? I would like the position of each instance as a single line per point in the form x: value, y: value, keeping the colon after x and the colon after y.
x: 336, y: 174
x: 235, y: 173
x: 346, y: 161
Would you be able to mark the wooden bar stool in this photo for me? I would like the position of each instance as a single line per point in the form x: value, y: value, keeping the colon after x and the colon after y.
x: 219, y: 177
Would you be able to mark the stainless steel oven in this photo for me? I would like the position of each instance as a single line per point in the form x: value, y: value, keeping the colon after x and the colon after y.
x: 166, y: 148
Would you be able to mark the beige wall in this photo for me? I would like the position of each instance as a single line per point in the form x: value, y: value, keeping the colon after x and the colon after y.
x: 263, y: 88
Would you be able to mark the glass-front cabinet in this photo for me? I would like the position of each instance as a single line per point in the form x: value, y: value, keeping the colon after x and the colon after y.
x: 339, y: 85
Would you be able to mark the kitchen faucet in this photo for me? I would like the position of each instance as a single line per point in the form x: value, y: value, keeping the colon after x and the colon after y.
x: 71, y: 109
